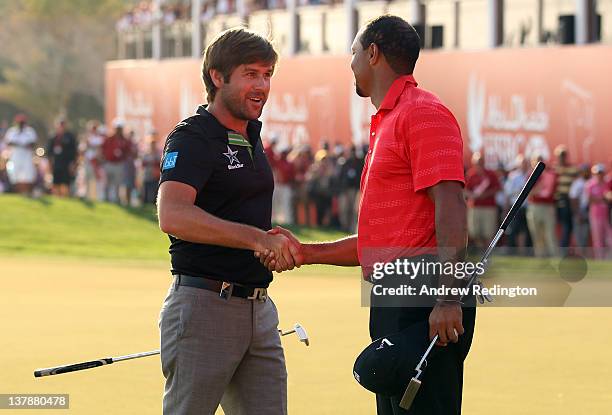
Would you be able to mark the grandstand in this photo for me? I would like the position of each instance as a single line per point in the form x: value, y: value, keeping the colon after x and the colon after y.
x: 174, y: 28
x: 519, y: 74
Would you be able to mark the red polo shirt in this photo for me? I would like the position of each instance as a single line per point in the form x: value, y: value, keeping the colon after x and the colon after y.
x: 415, y: 143
x: 478, y: 181
x: 116, y: 149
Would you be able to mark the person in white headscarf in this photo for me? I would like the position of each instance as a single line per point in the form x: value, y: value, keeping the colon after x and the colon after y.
x: 20, y: 140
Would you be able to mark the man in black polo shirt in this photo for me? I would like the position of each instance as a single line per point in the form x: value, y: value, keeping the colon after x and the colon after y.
x: 219, y: 336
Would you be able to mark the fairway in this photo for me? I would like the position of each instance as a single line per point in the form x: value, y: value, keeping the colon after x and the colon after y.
x: 55, y: 311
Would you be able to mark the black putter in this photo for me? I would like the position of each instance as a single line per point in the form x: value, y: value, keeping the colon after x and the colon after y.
x: 415, y: 382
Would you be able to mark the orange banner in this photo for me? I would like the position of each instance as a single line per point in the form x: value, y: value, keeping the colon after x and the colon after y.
x: 507, y: 101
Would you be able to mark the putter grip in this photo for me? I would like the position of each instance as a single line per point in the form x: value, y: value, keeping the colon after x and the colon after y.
x: 72, y: 368
x: 533, y: 178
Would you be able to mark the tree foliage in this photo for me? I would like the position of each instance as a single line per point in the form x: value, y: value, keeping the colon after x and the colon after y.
x: 53, y: 51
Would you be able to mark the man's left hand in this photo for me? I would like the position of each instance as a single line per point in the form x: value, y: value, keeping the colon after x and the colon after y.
x: 446, y: 320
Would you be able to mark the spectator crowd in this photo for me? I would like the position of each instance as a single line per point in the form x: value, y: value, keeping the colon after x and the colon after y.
x: 316, y: 188
x: 142, y: 14
x: 98, y: 165
x: 569, y: 208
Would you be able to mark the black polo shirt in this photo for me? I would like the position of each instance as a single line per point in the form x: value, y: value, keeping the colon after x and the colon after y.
x: 233, y: 182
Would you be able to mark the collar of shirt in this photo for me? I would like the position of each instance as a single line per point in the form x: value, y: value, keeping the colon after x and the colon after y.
x: 389, y: 103
x: 395, y: 91
x: 218, y: 130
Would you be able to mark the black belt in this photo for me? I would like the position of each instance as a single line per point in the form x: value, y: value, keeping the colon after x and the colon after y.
x: 224, y: 289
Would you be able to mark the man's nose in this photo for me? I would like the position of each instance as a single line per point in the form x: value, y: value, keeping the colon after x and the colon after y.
x: 261, y: 83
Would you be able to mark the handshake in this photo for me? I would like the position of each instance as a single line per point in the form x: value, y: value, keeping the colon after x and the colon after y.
x: 280, y: 250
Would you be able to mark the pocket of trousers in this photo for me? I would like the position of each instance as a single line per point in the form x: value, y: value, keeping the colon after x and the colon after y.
x: 174, y: 323
x: 276, y: 320
x: 185, y: 311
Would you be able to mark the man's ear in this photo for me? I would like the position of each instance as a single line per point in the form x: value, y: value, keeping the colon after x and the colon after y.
x: 217, y: 77
x: 373, y: 53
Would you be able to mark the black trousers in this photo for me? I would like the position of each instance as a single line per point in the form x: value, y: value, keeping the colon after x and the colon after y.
x: 518, y: 226
x: 566, y: 219
x: 442, y: 379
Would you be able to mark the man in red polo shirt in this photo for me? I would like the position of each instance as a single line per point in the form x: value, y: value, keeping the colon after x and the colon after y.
x: 541, y: 218
x: 481, y: 185
x: 412, y: 206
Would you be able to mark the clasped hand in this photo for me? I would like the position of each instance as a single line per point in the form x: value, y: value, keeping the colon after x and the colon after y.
x: 280, y: 251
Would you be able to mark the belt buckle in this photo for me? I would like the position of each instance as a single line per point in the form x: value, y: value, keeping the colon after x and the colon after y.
x: 260, y: 294
x: 226, y: 290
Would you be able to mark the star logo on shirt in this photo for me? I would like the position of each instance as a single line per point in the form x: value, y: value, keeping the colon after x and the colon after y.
x: 231, y: 155
x: 234, y: 163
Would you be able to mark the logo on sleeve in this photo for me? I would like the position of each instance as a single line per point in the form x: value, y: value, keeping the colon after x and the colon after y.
x: 170, y: 160
x: 234, y: 163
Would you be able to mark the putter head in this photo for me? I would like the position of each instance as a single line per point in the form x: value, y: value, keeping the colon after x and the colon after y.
x: 410, y: 393
x: 301, y: 333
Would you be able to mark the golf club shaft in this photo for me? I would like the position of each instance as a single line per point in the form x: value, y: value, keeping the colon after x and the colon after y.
x: 431, y: 345
x: 110, y: 360
x: 136, y: 355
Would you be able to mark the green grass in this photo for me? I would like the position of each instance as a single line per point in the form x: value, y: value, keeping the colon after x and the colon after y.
x: 544, y: 361
x: 523, y: 360
x: 52, y: 227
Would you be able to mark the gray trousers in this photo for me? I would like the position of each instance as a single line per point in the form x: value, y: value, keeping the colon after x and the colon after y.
x: 114, y: 180
x: 216, y: 351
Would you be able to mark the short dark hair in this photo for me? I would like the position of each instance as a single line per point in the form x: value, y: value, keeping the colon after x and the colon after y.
x: 232, y: 48
x: 397, y: 40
